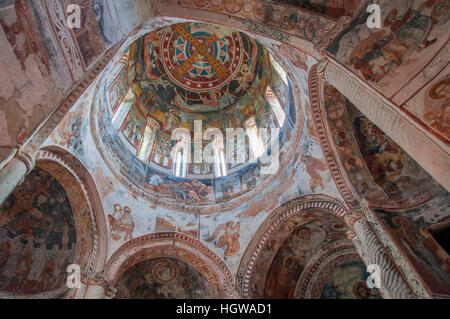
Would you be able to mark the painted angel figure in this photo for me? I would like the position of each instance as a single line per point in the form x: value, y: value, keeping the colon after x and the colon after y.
x: 230, y: 237
x: 123, y: 224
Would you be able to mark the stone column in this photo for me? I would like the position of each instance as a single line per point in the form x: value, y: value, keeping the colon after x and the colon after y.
x: 95, y: 287
x: 79, y: 292
x: 373, y: 252
x: 13, y: 173
x: 429, y: 152
x: 95, y: 291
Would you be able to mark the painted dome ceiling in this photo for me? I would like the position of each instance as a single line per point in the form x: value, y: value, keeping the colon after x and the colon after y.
x: 198, y: 67
x: 195, y: 77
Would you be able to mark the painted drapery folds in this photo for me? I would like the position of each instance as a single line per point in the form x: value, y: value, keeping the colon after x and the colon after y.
x: 210, y: 66
x: 37, y: 236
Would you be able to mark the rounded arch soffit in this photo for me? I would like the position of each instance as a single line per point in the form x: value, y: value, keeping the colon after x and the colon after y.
x: 286, y: 211
x: 172, y: 245
x: 54, y: 158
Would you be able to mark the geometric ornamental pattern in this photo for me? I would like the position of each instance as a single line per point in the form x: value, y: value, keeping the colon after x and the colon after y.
x: 197, y: 59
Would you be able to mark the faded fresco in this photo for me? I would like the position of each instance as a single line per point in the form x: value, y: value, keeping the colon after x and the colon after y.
x: 378, y: 168
x: 411, y: 230
x: 409, y: 29
x: 298, y: 267
x: 409, y: 51
x: 293, y: 253
x: 131, y: 213
x: 163, y: 278
x: 42, y: 59
x: 37, y: 235
x: 332, y: 8
x: 348, y: 281
x: 118, y: 90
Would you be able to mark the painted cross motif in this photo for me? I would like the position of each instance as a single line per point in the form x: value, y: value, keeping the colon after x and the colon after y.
x: 201, y: 49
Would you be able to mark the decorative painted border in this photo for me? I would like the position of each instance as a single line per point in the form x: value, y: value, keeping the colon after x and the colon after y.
x: 321, y: 125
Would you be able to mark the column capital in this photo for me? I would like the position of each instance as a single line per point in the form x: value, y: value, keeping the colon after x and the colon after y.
x: 99, y: 279
x: 358, y: 211
x: 25, y: 157
x: 322, y: 65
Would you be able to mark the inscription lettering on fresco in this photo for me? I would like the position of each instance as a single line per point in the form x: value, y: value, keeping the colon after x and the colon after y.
x: 374, y: 20
x: 73, y: 16
x: 277, y: 35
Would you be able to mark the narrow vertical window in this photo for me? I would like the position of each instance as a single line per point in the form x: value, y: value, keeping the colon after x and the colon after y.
x: 123, y: 109
x: 178, y: 163
x: 256, y: 147
x: 275, y: 106
x: 148, y: 140
x: 220, y: 166
x: 181, y: 156
x: 279, y: 69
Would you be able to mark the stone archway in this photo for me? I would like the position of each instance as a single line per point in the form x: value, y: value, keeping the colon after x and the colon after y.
x: 80, y: 185
x: 49, y: 222
x: 173, y: 246
x: 280, y: 223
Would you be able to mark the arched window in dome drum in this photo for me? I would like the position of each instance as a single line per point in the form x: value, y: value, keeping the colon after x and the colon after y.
x: 123, y: 109
x: 181, y: 156
x: 275, y: 106
x: 148, y: 139
x: 220, y: 166
x: 256, y: 146
x: 279, y: 69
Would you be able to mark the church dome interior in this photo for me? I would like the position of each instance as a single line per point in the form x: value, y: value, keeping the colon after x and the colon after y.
x: 215, y: 149
x: 197, y: 106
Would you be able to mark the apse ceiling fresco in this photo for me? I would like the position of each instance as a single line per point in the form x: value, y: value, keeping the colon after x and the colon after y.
x: 163, y: 278
x: 37, y: 236
x: 310, y: 257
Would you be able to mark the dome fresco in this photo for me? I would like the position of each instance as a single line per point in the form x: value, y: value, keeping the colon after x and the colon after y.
x: 198, y: 67
x: 196, y: 77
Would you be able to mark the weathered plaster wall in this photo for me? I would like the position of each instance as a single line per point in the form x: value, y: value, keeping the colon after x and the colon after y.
x: 42, y: 60
x: 405, y: 60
